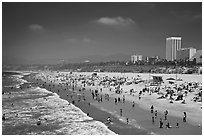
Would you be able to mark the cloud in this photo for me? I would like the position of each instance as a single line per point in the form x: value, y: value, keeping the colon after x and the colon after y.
x: 86, y: 40
x: 35, y: 27
x: 116, y: 21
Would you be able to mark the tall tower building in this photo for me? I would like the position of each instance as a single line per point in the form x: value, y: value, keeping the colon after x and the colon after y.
x: 172, y: 45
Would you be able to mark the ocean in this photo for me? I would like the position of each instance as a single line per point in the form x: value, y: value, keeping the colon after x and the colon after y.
x: 31, y: 110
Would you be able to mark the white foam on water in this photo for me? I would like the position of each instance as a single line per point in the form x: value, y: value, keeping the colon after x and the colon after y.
x: 68, y: 118
x: 42, y: 90
x: 22, y: 81
x: 25, y: 73
x: 14, y: 94
x: 8, y: 86
x: 26, y: 93
x: 75, y: 121
x: 19, y: 79
x: 17, y: 76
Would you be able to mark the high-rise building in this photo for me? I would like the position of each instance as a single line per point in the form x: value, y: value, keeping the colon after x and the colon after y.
x: 135, y: 58
x: 185, y: 53
x: 172, y: 45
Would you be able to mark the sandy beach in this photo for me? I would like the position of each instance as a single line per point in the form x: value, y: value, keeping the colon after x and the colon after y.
x: 139, y: 116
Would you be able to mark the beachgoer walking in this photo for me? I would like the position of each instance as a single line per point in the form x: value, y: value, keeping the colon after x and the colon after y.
x: 127, y: 120
x: 92, y: 94
x: 101, y: 99
x: 152, y: 109
x: 133, y: 104
x: 160, y: 123
x: 123, y: 98
x: 118, y: 99
x: 153, y: 120
x: 155, y: 113
x: 115, y: 100
x: 166, y: 112
x: 121, y: 112
x: 165, y: 115
x: 79, y: 99
x: 177, y: 125
x: 184, y: 116
x: 4, y: 117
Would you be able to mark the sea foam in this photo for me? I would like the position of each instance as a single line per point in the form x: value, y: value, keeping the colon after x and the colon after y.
x: 52, y: 111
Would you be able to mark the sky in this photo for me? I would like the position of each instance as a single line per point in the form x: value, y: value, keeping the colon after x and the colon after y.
x: 52, y: 32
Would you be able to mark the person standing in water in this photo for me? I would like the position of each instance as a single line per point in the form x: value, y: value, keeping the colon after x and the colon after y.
x: 109, y: 120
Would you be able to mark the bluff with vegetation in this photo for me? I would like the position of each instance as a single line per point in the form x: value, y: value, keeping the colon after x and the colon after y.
x: 140, y: 67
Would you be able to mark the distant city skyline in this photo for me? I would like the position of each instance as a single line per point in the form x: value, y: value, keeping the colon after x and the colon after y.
x: 50, y: 32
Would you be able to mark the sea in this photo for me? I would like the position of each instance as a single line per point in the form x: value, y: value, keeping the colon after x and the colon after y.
x: 31, y: 110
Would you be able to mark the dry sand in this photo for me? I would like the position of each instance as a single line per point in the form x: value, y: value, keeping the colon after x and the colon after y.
x: 193, y: 109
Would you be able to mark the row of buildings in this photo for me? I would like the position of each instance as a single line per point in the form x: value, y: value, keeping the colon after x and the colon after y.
x: 138, y: 58
x: 174, y: 51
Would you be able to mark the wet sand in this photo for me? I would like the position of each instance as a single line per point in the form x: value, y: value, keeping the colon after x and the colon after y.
x: 96, y: 113
x: 140, y: 121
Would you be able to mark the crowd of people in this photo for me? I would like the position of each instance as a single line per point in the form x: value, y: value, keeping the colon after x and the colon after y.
x: 115, y: 85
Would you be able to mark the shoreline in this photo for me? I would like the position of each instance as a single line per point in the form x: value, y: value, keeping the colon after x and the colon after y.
x: 97, y: 114
x: 164, y: 132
